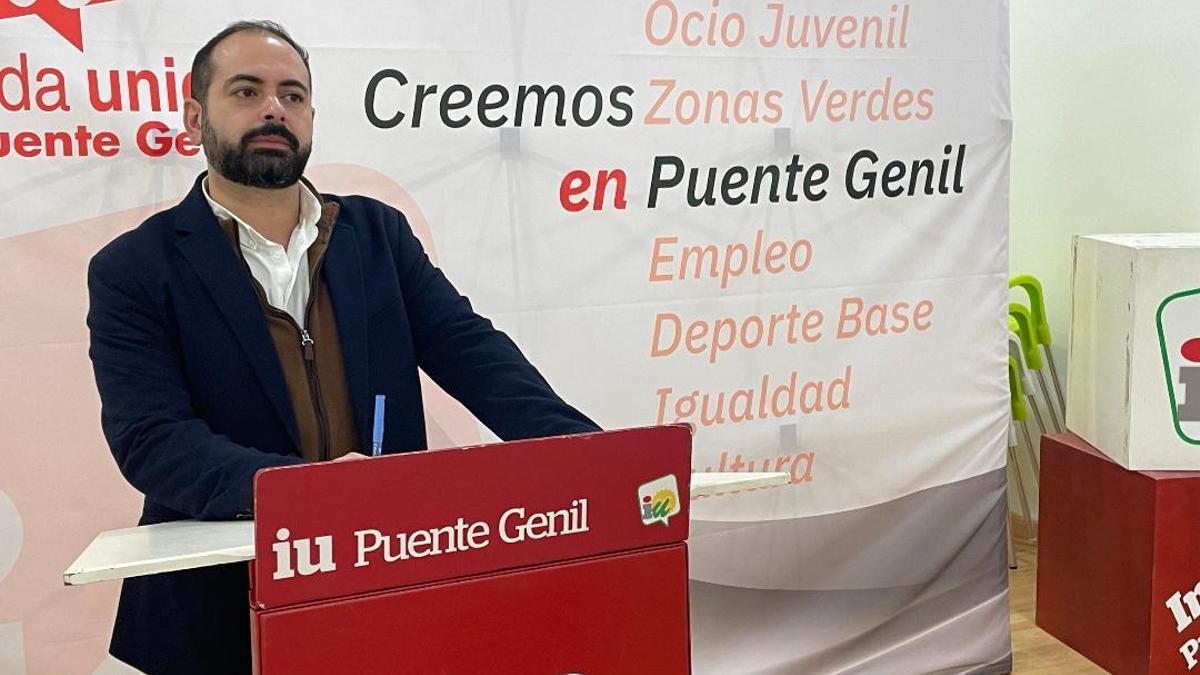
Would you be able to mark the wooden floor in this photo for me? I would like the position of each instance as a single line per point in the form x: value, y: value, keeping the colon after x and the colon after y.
x: 1035, y: 650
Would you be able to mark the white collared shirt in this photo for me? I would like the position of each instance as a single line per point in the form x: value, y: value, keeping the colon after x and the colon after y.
x: 282, y: 272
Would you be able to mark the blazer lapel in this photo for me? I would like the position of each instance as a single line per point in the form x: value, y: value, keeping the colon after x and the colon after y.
x: 344, y: 278
x: 224, y: 276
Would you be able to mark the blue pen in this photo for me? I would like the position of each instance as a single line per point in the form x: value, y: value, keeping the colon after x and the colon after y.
x: 377, y: 430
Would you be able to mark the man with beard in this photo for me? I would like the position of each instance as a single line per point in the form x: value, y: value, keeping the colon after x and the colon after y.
x: 251, y: 325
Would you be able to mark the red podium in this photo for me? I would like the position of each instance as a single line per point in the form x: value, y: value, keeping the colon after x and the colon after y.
x: 558, y: 555
x: 1119, y: 560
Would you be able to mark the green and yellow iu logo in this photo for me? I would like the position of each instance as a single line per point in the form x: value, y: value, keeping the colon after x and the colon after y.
x: 659, y: 500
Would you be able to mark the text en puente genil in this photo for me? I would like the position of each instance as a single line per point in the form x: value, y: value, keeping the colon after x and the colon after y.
x: 304, y: 557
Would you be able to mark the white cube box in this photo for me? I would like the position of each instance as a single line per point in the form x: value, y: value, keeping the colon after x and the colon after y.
x: 1134, y: 355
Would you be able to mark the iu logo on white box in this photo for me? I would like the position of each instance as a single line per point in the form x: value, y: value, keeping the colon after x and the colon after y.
x: 1179, y: 338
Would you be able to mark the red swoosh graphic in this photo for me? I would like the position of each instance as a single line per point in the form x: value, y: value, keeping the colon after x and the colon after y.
x: 64, y: 20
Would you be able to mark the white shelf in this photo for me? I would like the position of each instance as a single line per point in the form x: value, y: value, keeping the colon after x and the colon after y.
x: 167, y: 547
x: 709, y: 484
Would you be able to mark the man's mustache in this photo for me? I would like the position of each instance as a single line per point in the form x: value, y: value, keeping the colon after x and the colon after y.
x: 272, y: 130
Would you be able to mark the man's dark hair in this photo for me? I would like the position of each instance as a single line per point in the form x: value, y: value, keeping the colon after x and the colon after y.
x: 202, y: 65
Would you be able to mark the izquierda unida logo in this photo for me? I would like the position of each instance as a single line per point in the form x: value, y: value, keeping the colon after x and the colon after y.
x: 1179, y: 338
x: 658, y: 500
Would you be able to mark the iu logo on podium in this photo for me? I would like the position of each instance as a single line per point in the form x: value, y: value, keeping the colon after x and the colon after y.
x: 1179, y: 339
x: 303, y: 559
x: 659, y: 499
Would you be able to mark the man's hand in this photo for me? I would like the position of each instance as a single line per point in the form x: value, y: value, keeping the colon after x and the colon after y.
x: 350, y: 456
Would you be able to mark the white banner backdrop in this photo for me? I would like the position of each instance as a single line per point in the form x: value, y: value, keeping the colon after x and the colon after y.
x: 800, y: 248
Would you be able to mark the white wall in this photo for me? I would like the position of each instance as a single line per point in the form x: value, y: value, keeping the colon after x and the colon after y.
x: 1106, y: 108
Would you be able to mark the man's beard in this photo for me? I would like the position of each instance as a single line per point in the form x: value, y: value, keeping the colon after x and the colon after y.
x: 258, y: 167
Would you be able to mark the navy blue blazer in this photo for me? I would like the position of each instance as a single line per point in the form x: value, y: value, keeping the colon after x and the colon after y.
x: 194, y: 401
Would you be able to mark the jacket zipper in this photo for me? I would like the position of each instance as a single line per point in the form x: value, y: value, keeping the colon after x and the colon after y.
x: 314, y: 387
x: 307, y: 345
x: 310, y: 362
